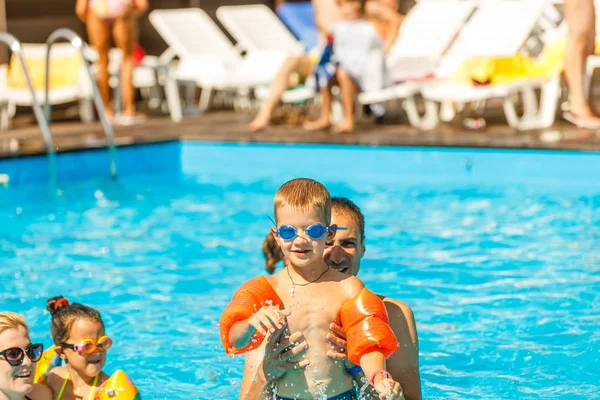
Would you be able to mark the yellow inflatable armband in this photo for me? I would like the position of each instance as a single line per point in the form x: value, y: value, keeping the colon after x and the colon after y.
x: 118, y: 387
x: 43, y: 364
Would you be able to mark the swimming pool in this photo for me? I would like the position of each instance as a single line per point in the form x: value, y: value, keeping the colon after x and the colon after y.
x: 497, y: 252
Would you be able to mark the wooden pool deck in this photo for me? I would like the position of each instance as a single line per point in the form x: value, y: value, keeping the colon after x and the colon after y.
x: 227, y: 126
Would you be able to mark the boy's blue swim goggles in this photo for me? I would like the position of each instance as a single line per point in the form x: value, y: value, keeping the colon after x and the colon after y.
x: 315, y: 231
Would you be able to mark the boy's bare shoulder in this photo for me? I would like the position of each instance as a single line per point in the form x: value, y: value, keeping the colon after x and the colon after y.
x: 352, y: 285
x: 275, y: 278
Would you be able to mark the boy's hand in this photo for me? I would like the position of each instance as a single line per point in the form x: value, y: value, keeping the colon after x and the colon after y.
x: 337, y: 337
x: 283, y: 354
x: 268, y: 318
x: 389, y: 389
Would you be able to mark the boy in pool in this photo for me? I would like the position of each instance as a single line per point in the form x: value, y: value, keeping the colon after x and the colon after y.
x: 306, y: 296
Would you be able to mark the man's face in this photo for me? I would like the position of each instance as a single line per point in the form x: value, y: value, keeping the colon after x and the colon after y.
x: 345, y: 250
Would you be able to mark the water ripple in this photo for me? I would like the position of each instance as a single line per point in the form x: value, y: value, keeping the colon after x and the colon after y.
x: 504, y: 280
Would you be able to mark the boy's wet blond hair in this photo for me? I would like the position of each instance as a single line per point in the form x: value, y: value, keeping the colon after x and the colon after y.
x: 11, y: 320
x: 304, y: 194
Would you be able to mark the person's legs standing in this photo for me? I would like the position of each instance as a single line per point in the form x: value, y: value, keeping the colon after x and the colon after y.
x: 348, y: 91
x: 303, y: 66
x: 581, y: 23
x: 99, y: 36
x: 123, y: 33
x: 324, y: 120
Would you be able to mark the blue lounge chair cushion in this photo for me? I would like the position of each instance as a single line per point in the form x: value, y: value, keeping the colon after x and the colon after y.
x: 300, y: 20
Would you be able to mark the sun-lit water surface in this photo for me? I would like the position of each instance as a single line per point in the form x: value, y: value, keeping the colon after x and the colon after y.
x: 498, y: 254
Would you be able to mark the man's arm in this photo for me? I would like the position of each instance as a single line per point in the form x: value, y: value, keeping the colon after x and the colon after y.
x: 392, y: 18
x: 404, y: 363
x: 280, y: 355
x: 255, y: 387
x: 253, y: 383
x: 326, y: 14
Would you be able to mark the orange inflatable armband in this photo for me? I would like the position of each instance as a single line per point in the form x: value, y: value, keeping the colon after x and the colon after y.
x: 248, y: 299
x: 366, y: 322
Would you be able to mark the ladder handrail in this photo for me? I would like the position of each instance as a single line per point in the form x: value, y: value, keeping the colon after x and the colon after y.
x: 17, y: 48
x: 76, y: 41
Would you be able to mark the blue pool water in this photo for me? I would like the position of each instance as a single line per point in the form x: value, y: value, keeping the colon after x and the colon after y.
x: 497, y: 252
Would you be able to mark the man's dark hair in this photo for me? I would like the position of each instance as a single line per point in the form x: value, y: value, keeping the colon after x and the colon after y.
x: 344, y: 205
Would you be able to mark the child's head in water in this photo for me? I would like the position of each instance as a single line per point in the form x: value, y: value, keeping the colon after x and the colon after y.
x: 78, y: 333
x: 302, y: 214
x: 352, y: 9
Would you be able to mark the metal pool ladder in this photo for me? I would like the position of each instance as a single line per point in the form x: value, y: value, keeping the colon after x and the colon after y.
x: 77, y: 42
x: 17, y: 48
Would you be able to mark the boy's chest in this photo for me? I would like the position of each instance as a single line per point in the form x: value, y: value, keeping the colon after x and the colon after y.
x: 312, y: 305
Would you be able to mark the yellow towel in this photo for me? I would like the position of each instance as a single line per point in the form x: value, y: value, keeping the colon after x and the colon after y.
x: 64, y: 71
x: 496, y: 70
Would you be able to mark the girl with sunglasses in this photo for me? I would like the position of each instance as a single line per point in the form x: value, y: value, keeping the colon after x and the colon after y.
x: 17, y: 361
x: 81, y: 343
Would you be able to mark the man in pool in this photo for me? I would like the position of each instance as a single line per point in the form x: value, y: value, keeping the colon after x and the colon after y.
x: 279, y: 354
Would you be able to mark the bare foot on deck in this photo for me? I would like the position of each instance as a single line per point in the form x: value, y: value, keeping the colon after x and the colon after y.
x: 582, y: 117
x: 260, y: 122
x: 110, y: 114
x: 345, y: 127
x: 317, y: 125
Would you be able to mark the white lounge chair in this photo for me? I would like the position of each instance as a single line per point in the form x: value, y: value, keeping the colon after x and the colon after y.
x: 74, y: 88
x: 498, y: 29
x: 426, y: 32
x: 257, y: 28
x: 207, y: 57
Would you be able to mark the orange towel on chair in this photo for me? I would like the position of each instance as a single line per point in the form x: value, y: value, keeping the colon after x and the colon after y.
x: 366, y: 322
x: 248, y: 299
